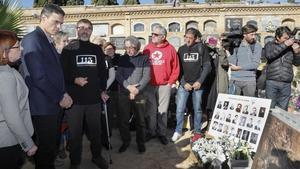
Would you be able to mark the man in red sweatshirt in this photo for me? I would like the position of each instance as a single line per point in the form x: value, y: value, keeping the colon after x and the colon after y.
x: 164, y: 73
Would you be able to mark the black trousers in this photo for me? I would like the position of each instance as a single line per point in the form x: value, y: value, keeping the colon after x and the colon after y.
x: 138, y: 105
x: 45, y: 136
x: 11, y: 157
x: 83, y: 118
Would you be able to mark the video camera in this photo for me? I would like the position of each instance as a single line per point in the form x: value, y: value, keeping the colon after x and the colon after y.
x: 233, y: 39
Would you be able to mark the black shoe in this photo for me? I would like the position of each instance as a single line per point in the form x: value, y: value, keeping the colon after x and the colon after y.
x: 123, y: 148
x: 100, y: 162
x: 141, y: 148
x: 164, y: 140
x: 74, y: 166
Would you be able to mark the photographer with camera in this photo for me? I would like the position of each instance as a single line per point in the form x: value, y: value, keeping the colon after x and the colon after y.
x: 281, y: 54
x: 243, y: 63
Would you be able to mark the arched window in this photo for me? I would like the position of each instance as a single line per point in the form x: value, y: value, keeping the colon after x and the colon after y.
x: 117, y: 29
x: 153, y: 25
x: 142, y: 41
x: 210, y: 26
x: 139, y: 27
x: 174, y: 27
x: 175, y: 41
x: 192, y: 24
x: 252, y: 22
x: 289, y: 23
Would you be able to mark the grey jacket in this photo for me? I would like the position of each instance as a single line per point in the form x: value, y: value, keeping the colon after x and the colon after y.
x: 248, y: 60
x: 15, y: 120
x: 133, y: 70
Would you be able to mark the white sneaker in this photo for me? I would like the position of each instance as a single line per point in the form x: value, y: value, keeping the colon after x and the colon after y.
x: 176, y: 136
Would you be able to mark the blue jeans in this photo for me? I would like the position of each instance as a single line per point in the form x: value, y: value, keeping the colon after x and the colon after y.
x: 182, y: 96
x: 279, y: 93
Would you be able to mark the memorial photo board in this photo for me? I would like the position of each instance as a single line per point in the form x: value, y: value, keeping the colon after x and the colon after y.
x: 240, y: 117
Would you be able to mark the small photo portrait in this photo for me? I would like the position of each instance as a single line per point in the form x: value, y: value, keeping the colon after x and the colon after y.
x: 262, y: 111
x: 225, y: 105
x: 217, y: 115
x: 235, y: 119
x: 219, y: 106
x: 228, y: 118
x: 214, y: 125
x: 220, y: 127
x: 231, y: 107
x: 257, y: 125
x: 250, y: 123
x: 245, y: 109
x: 232, y: 131
x: 253, y: 138
x: 245, y: 135
x: 222, y: 116
x: 225, y: 129
x: 238, y: 133
x: 238, y: 108
x: 242, y: 121
x: 253, y: 112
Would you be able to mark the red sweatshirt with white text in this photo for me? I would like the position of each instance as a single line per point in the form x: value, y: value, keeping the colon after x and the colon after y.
x: 164, y: 63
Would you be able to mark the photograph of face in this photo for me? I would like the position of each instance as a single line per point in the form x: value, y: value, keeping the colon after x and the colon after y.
x: 253, y: 112
x: 222, y: 116
x: 235, y: 119
x: 219, y: 106
x: 242, y: 121
x: 231, y: 107
x: 238, y: 133
x: 225, y: 105
x: 228, y: 118
x: 238, y: 107
x: 217, y: 115
x: 245, y: 109
x: 262, y: 112
x: 257, y: 125
x: 250, y: 123
x: 225, y: 129
x: 215, y: 125
x: 253, y: 138
x: 232, y: 132
x: 220, y: 127
x: 245, y: 135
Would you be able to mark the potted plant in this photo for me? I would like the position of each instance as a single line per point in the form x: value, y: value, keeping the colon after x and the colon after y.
x: 240, y: 155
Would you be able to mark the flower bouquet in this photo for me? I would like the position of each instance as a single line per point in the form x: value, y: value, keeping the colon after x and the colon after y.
x: 212, y: 151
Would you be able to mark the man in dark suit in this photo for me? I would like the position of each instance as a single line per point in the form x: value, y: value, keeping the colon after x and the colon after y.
x: 44, y: 77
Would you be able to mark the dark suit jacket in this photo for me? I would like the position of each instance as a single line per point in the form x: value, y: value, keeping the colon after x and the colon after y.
x: 43, y: 73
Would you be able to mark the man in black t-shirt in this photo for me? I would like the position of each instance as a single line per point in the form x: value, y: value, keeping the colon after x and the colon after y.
x: 195, y: 66
x: 85, y: 77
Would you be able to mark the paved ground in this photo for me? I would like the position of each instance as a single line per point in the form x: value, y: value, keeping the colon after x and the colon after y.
x: 157, y: 156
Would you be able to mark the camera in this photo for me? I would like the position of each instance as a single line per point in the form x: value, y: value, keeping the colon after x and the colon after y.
x: 233, y: 38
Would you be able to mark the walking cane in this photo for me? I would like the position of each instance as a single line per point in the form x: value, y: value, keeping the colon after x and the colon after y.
x: 108, y: 133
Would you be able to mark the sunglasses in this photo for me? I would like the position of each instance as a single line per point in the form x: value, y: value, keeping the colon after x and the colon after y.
x: 155, y: 34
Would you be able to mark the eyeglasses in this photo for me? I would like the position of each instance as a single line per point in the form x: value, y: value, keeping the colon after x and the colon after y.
x: 84, y: 28
x: 155, y: 34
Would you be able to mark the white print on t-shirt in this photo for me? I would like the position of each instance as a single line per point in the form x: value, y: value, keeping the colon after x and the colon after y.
x: 86, y: 60
x: 156, y: 58
x: 190, y: 57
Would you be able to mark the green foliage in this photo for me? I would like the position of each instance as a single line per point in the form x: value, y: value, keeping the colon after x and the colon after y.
x: 105, y: 2
x: 241, y: 152
x: 131, y: 2
x: 160, y: 1
x: 74, y: 2
x: 11, y: 16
